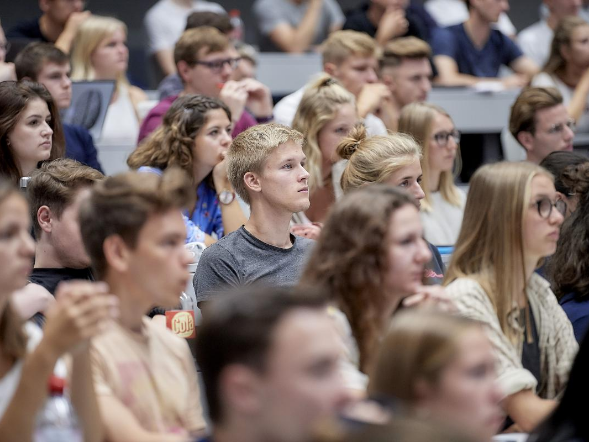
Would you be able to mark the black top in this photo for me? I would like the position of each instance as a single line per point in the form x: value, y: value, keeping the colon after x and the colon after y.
x: 30, y: 30
x: 531, y: 359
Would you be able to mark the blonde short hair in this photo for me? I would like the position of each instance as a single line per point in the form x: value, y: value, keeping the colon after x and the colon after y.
x: 342, y: 44
x: 374, y: 159
x: 401, y: 48
x: 251, y: 148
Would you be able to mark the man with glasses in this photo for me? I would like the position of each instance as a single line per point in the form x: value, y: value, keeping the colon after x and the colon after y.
x: 58, y: 24
x: 539, y: 121
x: 205, y: 59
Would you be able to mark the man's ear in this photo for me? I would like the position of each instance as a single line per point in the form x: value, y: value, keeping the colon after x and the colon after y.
x: 526, y: 139
x: 44, y: 217
x: 183, y: 69
x: 240, y: 386
x: 117, y: 253
x: 252, y: 182
x: 331, y: 69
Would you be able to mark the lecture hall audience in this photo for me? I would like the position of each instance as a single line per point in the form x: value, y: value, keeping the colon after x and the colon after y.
x: 321, y: 309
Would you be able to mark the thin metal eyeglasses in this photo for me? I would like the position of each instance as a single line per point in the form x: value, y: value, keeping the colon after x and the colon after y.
x: 559, y: 128
x: 217, y: 65
x: 545, y: 206
x: 443, y: 137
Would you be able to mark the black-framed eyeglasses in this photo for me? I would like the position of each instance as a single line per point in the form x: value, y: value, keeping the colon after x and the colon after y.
x: 443, y: 137
x: 545, y: 206
x: 559, y: 128
x: 217, y: 65
x: 5, y: 46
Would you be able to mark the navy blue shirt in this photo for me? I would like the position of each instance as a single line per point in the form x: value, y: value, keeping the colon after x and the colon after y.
x: 577, y: 312
x: 27, y: 30
x: 485, y: 62
x: 80, y: 146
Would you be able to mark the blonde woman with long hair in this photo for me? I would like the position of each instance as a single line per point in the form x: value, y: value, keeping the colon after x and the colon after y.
x: 567, y: 68
x: 442, y: 207
x: 511, y: 221
x: 326, y: 114
x: 100, y: 53
x: 440, y: 366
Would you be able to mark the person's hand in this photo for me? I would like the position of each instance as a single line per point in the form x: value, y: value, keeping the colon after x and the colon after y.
x: 30, y: 300
x: 514, y: 81
x: 235, y: 96
x: 371, y: 97
x: 392, y: 24
x: 259, y: 97
x: 220, y: 178
x: 311, y: 231
x: 431, y: 296
x: 75, y: 20
x: 7, y: 72
x: 81, y: 311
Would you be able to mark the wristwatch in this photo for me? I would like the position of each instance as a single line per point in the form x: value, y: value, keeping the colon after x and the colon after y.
x: 226, y: 196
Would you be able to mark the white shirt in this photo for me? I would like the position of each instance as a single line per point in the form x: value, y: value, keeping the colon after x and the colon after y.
x: 121, y: 125
x: 285, y: 110
x: 535, y: 41
x: 442, y: 224
x: 165, y: 22
x: 453, y: 12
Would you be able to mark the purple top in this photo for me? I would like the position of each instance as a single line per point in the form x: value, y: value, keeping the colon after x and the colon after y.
x: 156, y: 115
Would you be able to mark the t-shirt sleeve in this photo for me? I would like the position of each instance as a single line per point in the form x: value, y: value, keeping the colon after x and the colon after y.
x: 444, y: 43
x: 510, y: 49
x: 335, y: 14
x: 157, y: 34
x: 217, y: 270
x: 268, y: 16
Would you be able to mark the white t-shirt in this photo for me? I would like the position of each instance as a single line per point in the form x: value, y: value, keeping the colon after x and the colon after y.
x: 165, y: 21
x: 535, y: 41
x: 453, y: 12
x: 285, y: 110
x: 545, y: 80
x: 442, y: 224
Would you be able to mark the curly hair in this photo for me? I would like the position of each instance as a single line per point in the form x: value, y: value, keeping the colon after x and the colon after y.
x: 568, y: 269
x: 172, y: 144
x: 350, y: 260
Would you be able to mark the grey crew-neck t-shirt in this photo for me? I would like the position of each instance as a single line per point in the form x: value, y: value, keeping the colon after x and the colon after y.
x: 240, y: 259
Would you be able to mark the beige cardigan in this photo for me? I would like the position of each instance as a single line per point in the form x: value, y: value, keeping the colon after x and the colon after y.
x: 558, y: 346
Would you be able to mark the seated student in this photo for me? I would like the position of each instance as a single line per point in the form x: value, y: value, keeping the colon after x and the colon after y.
x: 266, y: 166
x: 442, y: 207
x: 294, y: 25
x: 269, y: 362
x: 427, y: 360
x: 7, y: 72
x: 58, y: 24
x: 539, y: 121
x: 100, y: 53
x: 164, y: 23
x: 351, y: 58
x: 326, y: 114
x: 385, y: 20
x: 195, y: 136
x: 392, y: 159
x: 55, y: 192
x: 535, y: 40
x: 567, y: 268
x: 144, y: 375
x: 405, y: 68
x: 205, y: 60
x: 569, y: 422
x: 567, y: 67
x: 511, y: 221
x: 473, y: 51
x: 30, y: 129
x: 81, y: 312
x: 46, y: 64
x: 172, y: 83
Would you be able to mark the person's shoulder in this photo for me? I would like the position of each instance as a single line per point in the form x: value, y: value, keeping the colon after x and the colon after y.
x: 163, y: 334
x: 531, y: 32
x: 159, y: 7
x: 465, y: 287
x: 137, y: 94
x: 303, y: 243
x: 25, y: 29
x: 76, y: 130
x: 225, y: 245
x: 162, y: 107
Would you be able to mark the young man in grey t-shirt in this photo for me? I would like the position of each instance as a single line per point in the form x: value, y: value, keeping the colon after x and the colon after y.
x: 265, y: 165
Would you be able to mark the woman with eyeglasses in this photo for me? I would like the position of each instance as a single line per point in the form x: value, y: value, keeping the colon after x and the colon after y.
x: 511, y: 222
x: 567, y: 68
x: 100, y: 53
x: 442, y: 207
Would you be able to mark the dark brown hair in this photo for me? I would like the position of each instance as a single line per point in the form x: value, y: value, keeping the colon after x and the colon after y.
x: 122, y: 204
x: 239, y: 329
x: 349, y: 260
x: 29, y: 62
x: 14, y: 98
x: 208, y: 18
x: 55, y: 185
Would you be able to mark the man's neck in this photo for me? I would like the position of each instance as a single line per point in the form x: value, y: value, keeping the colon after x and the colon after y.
x: 552, y: 21
x: 434, y: 180
x: 572, y: 74
x: 532, y: 158
x: 45, y: 256
x: 270, y: 225
x: 132, y: 306
x: 477, y: 29
x: 50, y: 30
